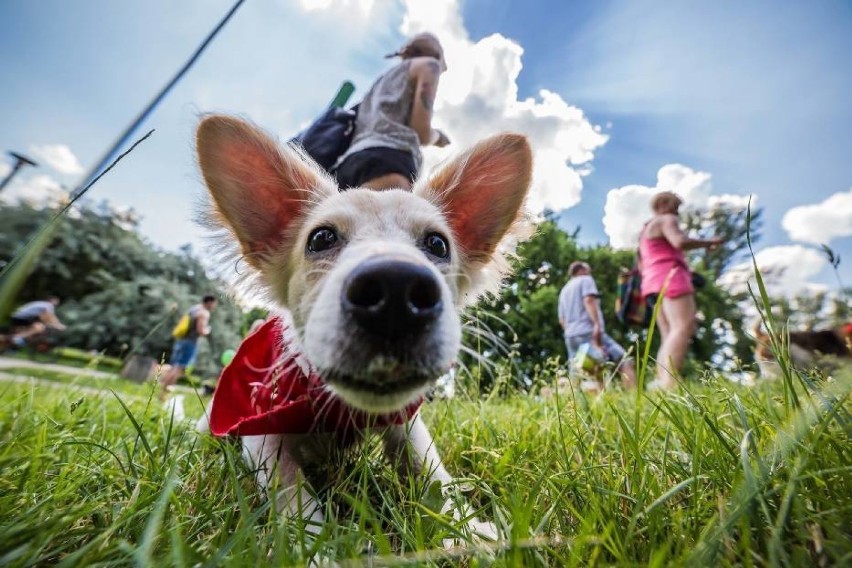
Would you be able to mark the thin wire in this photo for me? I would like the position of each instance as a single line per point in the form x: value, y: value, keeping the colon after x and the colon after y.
x: 161, y: 95
x: 95, y: 173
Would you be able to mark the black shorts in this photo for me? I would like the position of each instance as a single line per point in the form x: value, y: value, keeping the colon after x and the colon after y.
x: 371, y: 163
x: 23, y: 322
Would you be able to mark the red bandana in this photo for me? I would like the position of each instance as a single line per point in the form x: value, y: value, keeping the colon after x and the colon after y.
x: 265, y: 391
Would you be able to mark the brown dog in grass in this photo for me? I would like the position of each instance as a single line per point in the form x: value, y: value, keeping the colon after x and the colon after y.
x: 806, y: 348
x: 374, y: 282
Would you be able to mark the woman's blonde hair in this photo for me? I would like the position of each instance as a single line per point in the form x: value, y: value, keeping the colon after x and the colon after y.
x: 665, y: 200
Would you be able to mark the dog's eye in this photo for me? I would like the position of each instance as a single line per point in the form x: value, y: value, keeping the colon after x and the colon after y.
x: 437, y: 245
x: 322, y: 239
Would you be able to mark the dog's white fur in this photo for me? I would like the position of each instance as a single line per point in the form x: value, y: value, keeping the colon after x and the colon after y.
x: 271, y: 198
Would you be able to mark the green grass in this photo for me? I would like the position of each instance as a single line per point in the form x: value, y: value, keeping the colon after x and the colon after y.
x: 47, y: 374
x: 70, y: 357
x: 113, y: 381
x: 715, y: 475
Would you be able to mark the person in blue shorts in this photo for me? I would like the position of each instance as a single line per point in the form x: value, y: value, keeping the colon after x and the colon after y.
x: 185, y: 348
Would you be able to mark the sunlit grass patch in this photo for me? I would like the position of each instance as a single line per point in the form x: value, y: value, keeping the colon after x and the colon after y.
x: 716, y: 474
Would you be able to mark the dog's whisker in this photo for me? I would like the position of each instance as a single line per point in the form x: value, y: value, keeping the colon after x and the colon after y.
x: 325, y: 409
x: 326, y: 406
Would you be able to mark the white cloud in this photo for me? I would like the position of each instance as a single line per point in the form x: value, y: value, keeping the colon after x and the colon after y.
x: 627, y: 208
x: 313, y: 5
x: 785, y: 270
x: 59, y: 157
x: 359, y: 7
x: 694, y: 187
x: 39, y: 191
x: 735, y: 202
x: 821, y: 222
x: 478, y: 97
x: 4, y: 170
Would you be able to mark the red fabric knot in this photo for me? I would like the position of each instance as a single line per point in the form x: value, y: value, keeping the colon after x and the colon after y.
x: 264, y: 390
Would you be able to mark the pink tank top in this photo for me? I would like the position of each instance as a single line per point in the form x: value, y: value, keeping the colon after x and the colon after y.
x: 660, y: 262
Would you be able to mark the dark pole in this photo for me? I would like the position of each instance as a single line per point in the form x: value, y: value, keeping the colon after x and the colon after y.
x: 20, y: 161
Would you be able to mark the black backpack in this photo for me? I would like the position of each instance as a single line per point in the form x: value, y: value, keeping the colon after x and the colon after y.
x: 329, y: 136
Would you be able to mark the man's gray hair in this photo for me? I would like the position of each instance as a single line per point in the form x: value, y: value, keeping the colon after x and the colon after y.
x: 577, y: 266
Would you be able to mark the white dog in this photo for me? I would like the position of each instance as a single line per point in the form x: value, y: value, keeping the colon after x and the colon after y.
x: 374, y: 281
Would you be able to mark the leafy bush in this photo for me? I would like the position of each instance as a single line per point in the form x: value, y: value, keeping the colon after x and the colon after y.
x: 120, y: 293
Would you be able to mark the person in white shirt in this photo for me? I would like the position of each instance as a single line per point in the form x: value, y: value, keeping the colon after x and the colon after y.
x: 33, y: 318
x: 582, y: 321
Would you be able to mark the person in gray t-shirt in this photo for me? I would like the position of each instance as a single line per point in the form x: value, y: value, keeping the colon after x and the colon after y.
x: 582, y: 320
x: 33, y: 318
x: 395, y: 119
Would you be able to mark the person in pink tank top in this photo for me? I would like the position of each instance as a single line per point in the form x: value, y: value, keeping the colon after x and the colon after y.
x: 666, y: 277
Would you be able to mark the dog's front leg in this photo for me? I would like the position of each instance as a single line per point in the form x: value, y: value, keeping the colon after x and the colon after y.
x: 263, y: 453
x: 411, y: 447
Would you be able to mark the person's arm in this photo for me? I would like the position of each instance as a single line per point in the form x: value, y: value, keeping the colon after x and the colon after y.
x: 677, y: 238
x: 426, y: 71
x: 201, y: 323
x: 590, y: 302
x: 49, y: 319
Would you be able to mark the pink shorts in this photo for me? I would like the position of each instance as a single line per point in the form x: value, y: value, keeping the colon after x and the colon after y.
x: 679, y: 283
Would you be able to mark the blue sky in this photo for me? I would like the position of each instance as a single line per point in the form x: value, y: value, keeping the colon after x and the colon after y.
x: 754, y: 94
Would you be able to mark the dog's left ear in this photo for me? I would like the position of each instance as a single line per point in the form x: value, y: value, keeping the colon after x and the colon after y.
x: 481, y: 193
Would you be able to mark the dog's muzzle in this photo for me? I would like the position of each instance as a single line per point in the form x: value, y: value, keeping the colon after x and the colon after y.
x: 392, y: 299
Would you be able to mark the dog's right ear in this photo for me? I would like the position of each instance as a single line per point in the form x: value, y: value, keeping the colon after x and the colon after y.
x: 259, y: 189
x: 481, y: 193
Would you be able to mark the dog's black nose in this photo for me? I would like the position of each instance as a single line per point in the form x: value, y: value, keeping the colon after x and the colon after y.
x: 392, y: 298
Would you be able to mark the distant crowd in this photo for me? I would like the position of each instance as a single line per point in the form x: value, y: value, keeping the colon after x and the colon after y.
x: 665, y: 279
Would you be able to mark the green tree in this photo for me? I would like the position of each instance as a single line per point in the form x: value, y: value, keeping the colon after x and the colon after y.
x: 809, y: 310
x: 841, y: 307
x: 729, y: 222
x: 119, y: 292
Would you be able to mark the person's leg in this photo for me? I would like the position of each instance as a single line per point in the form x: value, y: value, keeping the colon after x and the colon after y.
x: 171, y: 376
x: 628, y: 374
x: 168, y: 379
x: 573, y: 344
x: 32, y: 329
x: 661, y: 323
x: 680, y: 315
x: 388, y: 181
x: 377, y: 168
x: 577, y: 371
x: 182, y: 354
x: 571, y: 347
x: 618, y: 355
